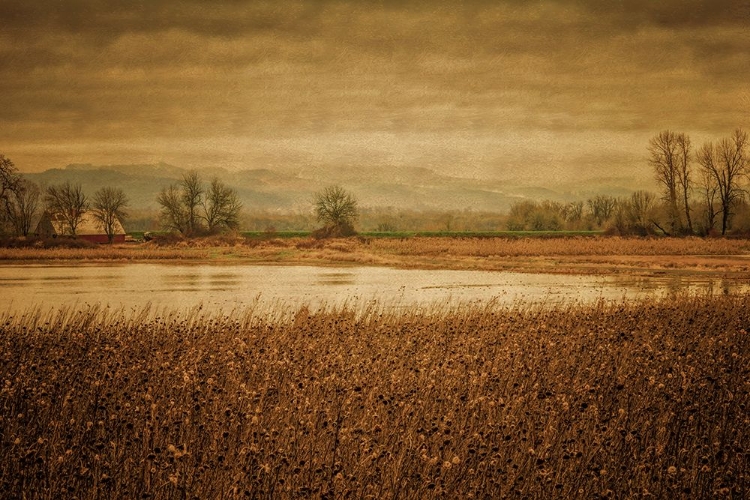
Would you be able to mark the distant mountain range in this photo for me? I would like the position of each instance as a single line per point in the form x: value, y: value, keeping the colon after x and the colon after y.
x: 264, y: 189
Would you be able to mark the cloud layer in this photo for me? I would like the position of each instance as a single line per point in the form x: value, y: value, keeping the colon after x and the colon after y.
x: 543, y: 90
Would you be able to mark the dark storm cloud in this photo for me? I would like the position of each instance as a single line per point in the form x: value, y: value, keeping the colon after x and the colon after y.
x: 673, y: 13
x: 110, y: 18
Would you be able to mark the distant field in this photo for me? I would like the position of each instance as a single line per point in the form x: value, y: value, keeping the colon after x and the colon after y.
x: 641, y: 400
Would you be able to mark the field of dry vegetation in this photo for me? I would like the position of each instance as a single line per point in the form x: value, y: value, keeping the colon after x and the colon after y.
x: 633, y: 400
x: 599, y: 255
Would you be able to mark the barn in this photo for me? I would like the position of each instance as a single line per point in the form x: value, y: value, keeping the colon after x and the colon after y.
x: 52, y: 225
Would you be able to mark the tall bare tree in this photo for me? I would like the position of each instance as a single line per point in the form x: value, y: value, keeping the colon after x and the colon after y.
x: 173, y: 214
x: 709, y: 193
x: 641, y: 210
x: 188, y: 204
x: 180, y: 205
x: 108, y: 207
x: 221, y: 207
x: 22, y: 205
x: 8, y: 181
x: 68, y: 202
x: 8, y: 176
x: 684, y: 175
x: 192, y: 198
x: 726, y: 162
x: 665, y: 152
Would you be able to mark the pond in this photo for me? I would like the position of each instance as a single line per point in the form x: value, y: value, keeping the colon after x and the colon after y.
x: 226, y: 287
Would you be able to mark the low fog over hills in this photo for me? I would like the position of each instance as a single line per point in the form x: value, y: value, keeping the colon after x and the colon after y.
x: 264, y: 189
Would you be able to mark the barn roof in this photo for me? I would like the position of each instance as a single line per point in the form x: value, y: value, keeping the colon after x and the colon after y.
x: 89, y: 224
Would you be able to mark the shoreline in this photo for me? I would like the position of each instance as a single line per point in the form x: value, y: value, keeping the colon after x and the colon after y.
x: 638, y: 258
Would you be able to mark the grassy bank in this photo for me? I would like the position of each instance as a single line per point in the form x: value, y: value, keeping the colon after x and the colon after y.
x: 575, y: 254
x: 608, y: 400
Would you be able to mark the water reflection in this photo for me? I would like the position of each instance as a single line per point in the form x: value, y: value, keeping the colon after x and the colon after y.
x: 230, y: 286
x: 336, y: 279
x: 224, y: 281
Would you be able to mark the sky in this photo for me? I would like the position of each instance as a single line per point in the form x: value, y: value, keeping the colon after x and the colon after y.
x: 547, y: 92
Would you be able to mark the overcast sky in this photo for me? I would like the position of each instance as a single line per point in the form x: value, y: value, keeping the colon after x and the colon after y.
x: 546, y: 91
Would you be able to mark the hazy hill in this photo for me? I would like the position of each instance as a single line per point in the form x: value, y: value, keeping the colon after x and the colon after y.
x: 265, y: 189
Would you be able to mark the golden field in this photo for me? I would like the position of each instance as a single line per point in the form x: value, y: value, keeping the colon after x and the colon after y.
x: 599, y: 255
x: 631, y: 400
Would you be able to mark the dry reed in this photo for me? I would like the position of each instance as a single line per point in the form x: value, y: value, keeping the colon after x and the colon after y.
x: 641, y: 400
x: 554, y: 254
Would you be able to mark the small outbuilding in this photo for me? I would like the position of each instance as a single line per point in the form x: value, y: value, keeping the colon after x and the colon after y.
x: 89, y: 228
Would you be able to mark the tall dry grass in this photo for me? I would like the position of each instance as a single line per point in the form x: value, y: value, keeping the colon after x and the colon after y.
x: 644, y: 400
x: 390, y: 251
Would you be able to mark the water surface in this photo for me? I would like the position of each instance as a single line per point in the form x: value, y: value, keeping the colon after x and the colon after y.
x: 230, y: 286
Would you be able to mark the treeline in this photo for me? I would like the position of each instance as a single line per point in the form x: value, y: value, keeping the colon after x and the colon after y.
x: 189, y: 207
x: 23, y: 201
x: 702, y: 191
x: 629, y: 214
x: 378, y: 219
x: 640, y: 213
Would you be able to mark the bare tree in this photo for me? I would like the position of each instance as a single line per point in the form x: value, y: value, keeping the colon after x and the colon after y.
x: 8, y: 181
x: 108, y: 208
x: 68, y: 202
x: 726, y: 162
x: 180, y: 205
x: 602, y: 208
x: 684, y: 175
x: 221, y: 207
x: 8, y: 176
x: 520, y: 215
x: 22, y: 205
x: 173, y: 214
x: 636, y: 214
x: 665, y: 158
x: 192, y: 197
x: 709, y: 193
x: 573, y: 212
x: 186, y: 205
x: 337, y: 209
x: 641, y: 211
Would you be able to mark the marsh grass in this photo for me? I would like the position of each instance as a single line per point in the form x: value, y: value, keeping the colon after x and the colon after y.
x: 583, y: 246
x: 633, y: 400
x: 562, y: 255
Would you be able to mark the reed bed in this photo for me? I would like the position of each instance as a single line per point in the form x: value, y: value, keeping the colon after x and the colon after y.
x: 453, y: 252
x: 103, y: 252
x: 630, y: 400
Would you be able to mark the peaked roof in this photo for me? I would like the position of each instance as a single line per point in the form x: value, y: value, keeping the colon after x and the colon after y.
x: 88, y: 225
